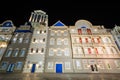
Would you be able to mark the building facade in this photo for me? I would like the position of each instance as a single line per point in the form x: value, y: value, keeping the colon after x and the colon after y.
x: 14, y: 57
x: 37, y: 50
x: 116, y: 34
x: 58, y: 55
x: 6, y: 30
x: 94, y: 49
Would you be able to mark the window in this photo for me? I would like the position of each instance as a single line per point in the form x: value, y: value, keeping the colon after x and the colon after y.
x: 67, y: 65
x: 52, y: 41
x: 50, y: 65
x: 37, y: 50
x: 52, y: 33
x: 20, y: 40
x: 40, y: 31
x: 80, y: 51
x: 51, y: 52
x: 59, y: 52
x: 75, y: 50
x: 106, y: 40
x: 59, y: 33
x: 26, y: 40
x: 59, y: 41
x: 65, y: 41
x: 4, y: 65
x: 19, y: 65
x: 65, y: 33
x: 15, y: 53
x: 16, y: 35
x: 42, y: 50
x: 43, y: 39
x: 8, y: 53
x: 66, y: 52
x: 44, y: 31
x: 14, y: 40
x: 22, y: 53
x: 34, y: 40
x: 31, y: 50
x: 78, y: 64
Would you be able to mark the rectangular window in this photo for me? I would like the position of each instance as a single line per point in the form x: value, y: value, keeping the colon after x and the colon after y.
x: 42, y: 50
x: 14, y: 40
x: 51, y: 52
x: 65, y: 33
x: 50, y: 65
x: 15, y: 53
x: 66, y: 52
x: 65, y: 41
x: 59, y: 53
x: 59, y: 42
x: 52, y: 33
x: 26, y: 40
x: 4, y: 65
x: 8, y: 53
x: 52, y: 41
x: 78, y: 64
x: 22, y: 53
x: 59, y: 33
x: 19, y: 65
x: 20, y: 40
x: 67, y: 65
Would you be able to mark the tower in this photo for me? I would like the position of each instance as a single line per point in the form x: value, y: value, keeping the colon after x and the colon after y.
x: 39, y: 16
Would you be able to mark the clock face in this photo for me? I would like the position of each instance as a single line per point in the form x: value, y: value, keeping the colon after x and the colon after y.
x: 83, y: 24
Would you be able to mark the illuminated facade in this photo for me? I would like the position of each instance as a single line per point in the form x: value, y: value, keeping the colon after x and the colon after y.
x: 16, y: 52
x: 38, y: 48
x: 6, y: 30
x: 58, y: 55
x: 116, y: 34
x: 93, y: 48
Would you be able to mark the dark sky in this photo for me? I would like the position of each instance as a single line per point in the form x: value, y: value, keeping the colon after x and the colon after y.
x: 99, y: 13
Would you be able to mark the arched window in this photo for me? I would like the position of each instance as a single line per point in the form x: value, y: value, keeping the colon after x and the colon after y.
x: 65, y: 41
x: 22, y: 52
x: 59, y: 41
x: 52, y: 41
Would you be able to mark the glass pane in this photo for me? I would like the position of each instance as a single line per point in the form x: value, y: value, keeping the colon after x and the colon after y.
x: 19, y: 65
x: 4, y: 65
x: 22, y: 53
x: 67, y: 65
x: 8, y: 53
x: 50, y: 65
x: 15, y: 53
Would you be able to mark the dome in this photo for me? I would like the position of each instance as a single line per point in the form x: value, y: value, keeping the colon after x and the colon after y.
x: 83, y: 24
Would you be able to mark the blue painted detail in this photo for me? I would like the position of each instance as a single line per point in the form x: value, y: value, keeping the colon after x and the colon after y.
x: 83, y: 27
x: 59, y: 23
x: 23, y: 31
x: 7, y: 24
x: 10, y: 68
x: 33, y: 68
x: 58, y: 68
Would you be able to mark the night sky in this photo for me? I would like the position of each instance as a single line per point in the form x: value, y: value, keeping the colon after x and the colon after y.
x: 99, y: 13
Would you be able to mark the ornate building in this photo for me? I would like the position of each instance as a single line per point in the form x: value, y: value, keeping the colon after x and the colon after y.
x: 38, y: 48
x: 58, y: 55
x: 116, y: 34
x: 93, y: 48
x: 15, y: 55
x: 6, y: 30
